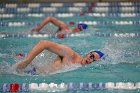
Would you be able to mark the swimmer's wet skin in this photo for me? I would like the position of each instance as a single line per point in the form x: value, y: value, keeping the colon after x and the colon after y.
x: 63, y: 28
x: 64, y: 54
x: 91, y: 54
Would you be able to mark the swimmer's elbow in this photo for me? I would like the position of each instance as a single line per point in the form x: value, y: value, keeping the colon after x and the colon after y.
x: 44, y: 43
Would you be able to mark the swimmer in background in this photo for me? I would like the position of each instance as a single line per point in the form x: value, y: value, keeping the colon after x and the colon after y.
x: 63, y: 28
x: 65, y: 56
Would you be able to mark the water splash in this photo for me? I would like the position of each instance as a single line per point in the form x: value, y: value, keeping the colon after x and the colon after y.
x: 120, y: 51
x: 5, y: 55
x: 4, y: 67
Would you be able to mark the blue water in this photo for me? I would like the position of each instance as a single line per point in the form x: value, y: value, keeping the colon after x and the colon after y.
x: 121, y: 65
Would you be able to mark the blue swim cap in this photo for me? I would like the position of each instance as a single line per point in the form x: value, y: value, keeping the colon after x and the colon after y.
x: 101, y: 54
x: 84, y: 26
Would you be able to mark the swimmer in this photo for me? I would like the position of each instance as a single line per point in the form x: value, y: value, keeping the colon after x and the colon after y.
x: 65, y: 56
x: 63, y: 28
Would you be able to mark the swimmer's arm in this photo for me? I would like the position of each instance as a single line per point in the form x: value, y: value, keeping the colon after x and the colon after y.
x: 47, y: 20
x: 52, y: 20
x: 59, y: 49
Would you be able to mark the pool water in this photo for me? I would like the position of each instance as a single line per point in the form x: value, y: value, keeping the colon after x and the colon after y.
x: 122, y: 63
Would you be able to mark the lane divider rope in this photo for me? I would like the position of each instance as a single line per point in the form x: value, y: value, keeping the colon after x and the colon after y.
x: 93, y: 23
x: 63, y: 15
x: 95, y: 9
x: 33, y: 5
x: 98, y: 34
x: 71, y: 86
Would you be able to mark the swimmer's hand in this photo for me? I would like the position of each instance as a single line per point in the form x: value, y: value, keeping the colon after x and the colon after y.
x: 36, y: 29
x: 20, y: 65
x: 17, y: 68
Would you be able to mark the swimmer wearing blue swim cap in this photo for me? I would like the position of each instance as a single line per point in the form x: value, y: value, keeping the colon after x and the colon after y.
x: 92, y: 56
x: 63, y: 28
x: 65, y: 55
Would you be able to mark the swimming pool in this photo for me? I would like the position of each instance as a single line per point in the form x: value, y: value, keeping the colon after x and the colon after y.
x: 116, y: 35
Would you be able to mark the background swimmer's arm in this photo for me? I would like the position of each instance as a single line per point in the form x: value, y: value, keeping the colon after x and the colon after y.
x: 49, y: 19
x: 56, y: 48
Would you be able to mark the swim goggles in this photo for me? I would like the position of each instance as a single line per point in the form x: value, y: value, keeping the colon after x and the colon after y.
x: 91, y: 57
x: 80, y: 27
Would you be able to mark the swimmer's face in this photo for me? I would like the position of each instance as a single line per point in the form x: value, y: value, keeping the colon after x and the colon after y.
x: 78, y: 28
x: 90, y: 57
